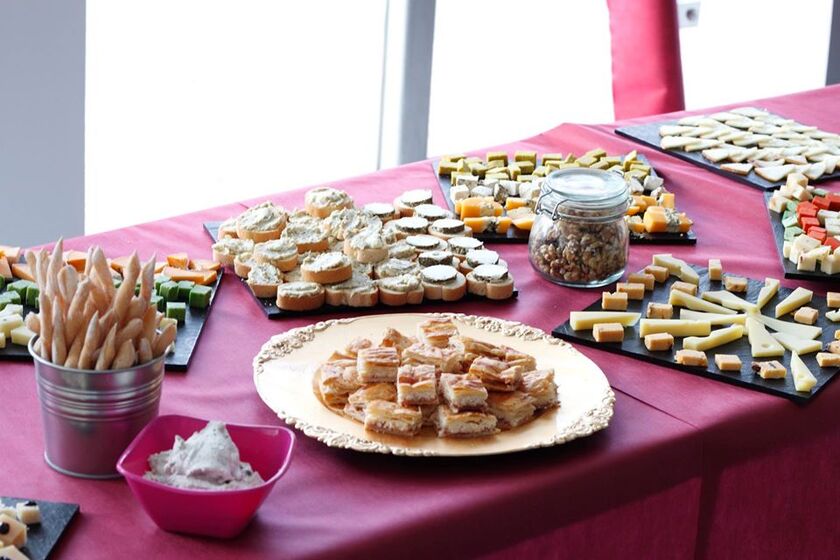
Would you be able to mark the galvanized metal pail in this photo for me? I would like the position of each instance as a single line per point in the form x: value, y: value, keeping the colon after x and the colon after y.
x: 90, y: 417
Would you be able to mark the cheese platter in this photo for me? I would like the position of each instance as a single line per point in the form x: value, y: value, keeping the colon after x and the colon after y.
x: 510, y: 190
x: 45, y: 523
x: 754, y: 342
x: 746, y: 144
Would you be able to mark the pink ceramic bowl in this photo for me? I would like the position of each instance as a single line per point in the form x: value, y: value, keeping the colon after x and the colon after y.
x: 222, y: 513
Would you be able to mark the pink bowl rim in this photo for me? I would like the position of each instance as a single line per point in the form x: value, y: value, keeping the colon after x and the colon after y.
x: 192, y: 492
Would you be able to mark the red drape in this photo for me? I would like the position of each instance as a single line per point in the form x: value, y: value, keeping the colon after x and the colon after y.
x: 646, y: 66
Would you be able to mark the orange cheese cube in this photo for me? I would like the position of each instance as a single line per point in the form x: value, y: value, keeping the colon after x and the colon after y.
x: 478, y: 206
x: 205, y: 264
x: 76, y: 259
x: 514, y: 202
x: 12, y: 254
x: 22, y: 271
x: 119, y: 263
x: 525, y: 222
x: 202, y: 277
x: 178, y: 260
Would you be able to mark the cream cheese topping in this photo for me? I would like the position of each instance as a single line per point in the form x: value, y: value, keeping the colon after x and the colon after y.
x: 357, y: 282
x: 324, y: 197
x: 299, y: 289
x: 262, y: 273
x: 263, y: 217
x: 380, y: 209
x: 396, y: 267
x: 344, y: 223
x: 326, y: 261
x: 401, y: 250
x: 233, y: 246
x: 276, y: 249
x: 402, y: 283
x: 207, y: 460
x: 368, y: 238
x: 303, y: 232
x: 439, y: 274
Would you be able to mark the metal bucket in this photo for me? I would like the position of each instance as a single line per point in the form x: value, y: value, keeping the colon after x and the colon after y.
x: 90, y: 417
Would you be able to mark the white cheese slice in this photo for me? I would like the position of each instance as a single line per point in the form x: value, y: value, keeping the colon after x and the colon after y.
x: 762, y: 345
x: 716, y: 155
x: 799, y: 297
x: 770, y: 289
x: 715, y: 319
x: 714, y: 339
x: 702, y: 144
x: 675, y: 327
x: 683, y: 299
x: 798, y: 345
x: 776, y: 173
x: 677, y: 267
x: 580, y: 320
x: 730, y: 300
x: 803, y: 379
x: 796, y: 329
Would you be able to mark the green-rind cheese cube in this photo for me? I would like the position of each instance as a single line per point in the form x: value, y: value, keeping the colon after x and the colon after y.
x: 789, y: 219
x: 200, y: 296
x: 20, y: 287
x: 169, y: 291
x: 2, y: 282
x: 176, y: 310
x: 184, y: 287
x: 792, y: 232
x: 159, y: 302
x: 32, y: 293
x: 161, y: 279
x: 791, y: 206
x: 10, y: 296
x: 819, y: 192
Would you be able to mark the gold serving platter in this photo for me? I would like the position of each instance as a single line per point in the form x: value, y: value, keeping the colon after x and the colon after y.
x: 285, y: 367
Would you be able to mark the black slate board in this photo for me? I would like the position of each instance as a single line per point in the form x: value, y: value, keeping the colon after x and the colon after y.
x: 271, y: 310
x: 648, y: 134
x: 516, y: 235
x: 789, y: 267
x: 185, y: 343
x: 55, y: 518
x: 634, y: 347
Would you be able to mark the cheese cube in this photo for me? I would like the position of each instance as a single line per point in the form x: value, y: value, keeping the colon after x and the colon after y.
x: 497, y: 156
x: 525, y: 155
x: 660, y: 310
x: 9, y: 323
x: 728, y: 362
x: 837, y: 334
x: 769, y: 370
x: 806, y: 315
x: 13, y: 532
x: 833, y: 316
x: 447, y: 168
x: 691, y: 358
x: 632, y: 289
x: 643, y: 278
x: 12, y: 553
x: 787, y: 247
x: 806, y: 262
x: 659, y: 342
x: 459, y: 193
x: 827, y: 359
x: 614, y: 302
x: 166, y: 321
x: 660, y: 273
x: 608, y: 332
x: 21, y: 336
x: 715, y: 269
x: 735, y: 284
x: 690, y: 289
x: 833, y: 347
x: 830, y: 264
x: 832, y: 299
x: 28, y: 513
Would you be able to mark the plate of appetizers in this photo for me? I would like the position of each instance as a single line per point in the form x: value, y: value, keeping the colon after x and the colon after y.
x: 746, y: 144
x: 806, y: 228
x: 496, y: 196
x: 432, y: 385
x: 334, y: 256
x: 726, y: 327
x: 31, y: 529
x: 182, y: 294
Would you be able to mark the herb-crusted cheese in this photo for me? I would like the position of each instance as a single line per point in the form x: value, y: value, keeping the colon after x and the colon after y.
x: 448, y: 226
x: 482, y: 256
x: 491, y: 273
x: 463, y: 245
x: 416, y: 197
x: 423, y: 242
x: 431, y: 212
x: 411, y: 224
x: 432, y: 258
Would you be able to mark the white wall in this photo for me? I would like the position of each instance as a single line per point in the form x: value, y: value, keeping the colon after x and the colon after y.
x: 42, y: 46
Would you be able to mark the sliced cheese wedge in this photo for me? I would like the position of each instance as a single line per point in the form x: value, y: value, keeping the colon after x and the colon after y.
x: 738, y: 168
x: 729, y: 300
x: 716, y: 319
x: 702, y: 144
x: 798, y: 345
x: 580, y: 320
x: 714, y: 339
x: 762, y: 345
x: 794, y: 329
x: 683, y: 299
x: 770, y: 289
x: 674, y: 129
x: 677, y: 267
x: 799, y: 297
x: 803, y: 380
x: 776, y: 173
x: 675, y: 142
x: 675, y: 327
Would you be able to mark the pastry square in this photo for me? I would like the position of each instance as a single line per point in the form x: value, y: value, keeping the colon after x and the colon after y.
x: 390, y: 418
x: 479, y: 348
x: 510, y: 409
x: 395, y: 339
x: 437, y: 332
x: 352, y: 349
x: 496, y: 375
x: 357, y: 402
x: 463, y: 424
x: 540, y: 386
x: 378, y: 364
x: 337, y: 380
x: 416, y: 385
x: 514, y: 357
x: 444, y: 359
x: 463, y: 392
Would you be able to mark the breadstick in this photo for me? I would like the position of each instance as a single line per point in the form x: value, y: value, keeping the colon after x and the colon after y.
x: 144, y: 351
x: 75, y: 351
x: 32, y: 261
x: 45, y: 315
x: 164, y: 339
x: 76, y: 312
x: 89, y: 261
x: 107, y: 321
x: 147, y: 280
x: 136, y: 308
x: 126, y: 356
x: 150, y: 322
x: 68, y: 282
x: 129, y: 331
x: 91, y: 343
x: 32, y: 322
x: 59, y: 346
x: 103, y: 273
x: 126, y: 289
x: 42, y: 260
x: 109, y: 350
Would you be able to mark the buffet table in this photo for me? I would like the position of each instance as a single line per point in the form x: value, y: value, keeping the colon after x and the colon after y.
x: 688, y: 467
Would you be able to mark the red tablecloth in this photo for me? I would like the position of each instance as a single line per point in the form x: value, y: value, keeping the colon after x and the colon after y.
x: 688, y: 467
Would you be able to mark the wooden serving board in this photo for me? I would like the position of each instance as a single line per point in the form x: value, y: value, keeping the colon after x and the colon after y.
x: 516, y: 235
x: 271, y: 310
x: 789, y: 267
x: 633, y: 346
x: 648, y: 134
x: 43, y: 537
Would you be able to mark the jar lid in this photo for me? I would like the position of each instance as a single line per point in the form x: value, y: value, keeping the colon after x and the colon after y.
x: 588, y: 189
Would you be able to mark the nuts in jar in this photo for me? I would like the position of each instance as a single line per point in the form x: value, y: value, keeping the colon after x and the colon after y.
x: 579, y: 237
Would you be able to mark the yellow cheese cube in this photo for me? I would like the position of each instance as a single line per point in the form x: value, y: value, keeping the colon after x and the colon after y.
x: 728, y: 362
x: 608, y: 332
x: 735, y: 284
x: 614, y: 302
x: 22, y: 335
x: 15, y: 533
x: 832, y: 299
x: 633, y: 290
x: 691, y: 358
x: 715, y: 269
x: 827, y: 359
x: 644, y: 278
x: 660, y: 310
x: 446, y: 168
x: 659, y: 342
x: 497, y: 156
x: 769, y: 370
x: 527, y: 167
x: 660, y: 273
x: 690, y: 289
x: 525, y: 155
x: 806, y: 315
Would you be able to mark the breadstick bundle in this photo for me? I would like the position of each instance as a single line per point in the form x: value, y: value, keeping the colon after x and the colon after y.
x: 85, y: 322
